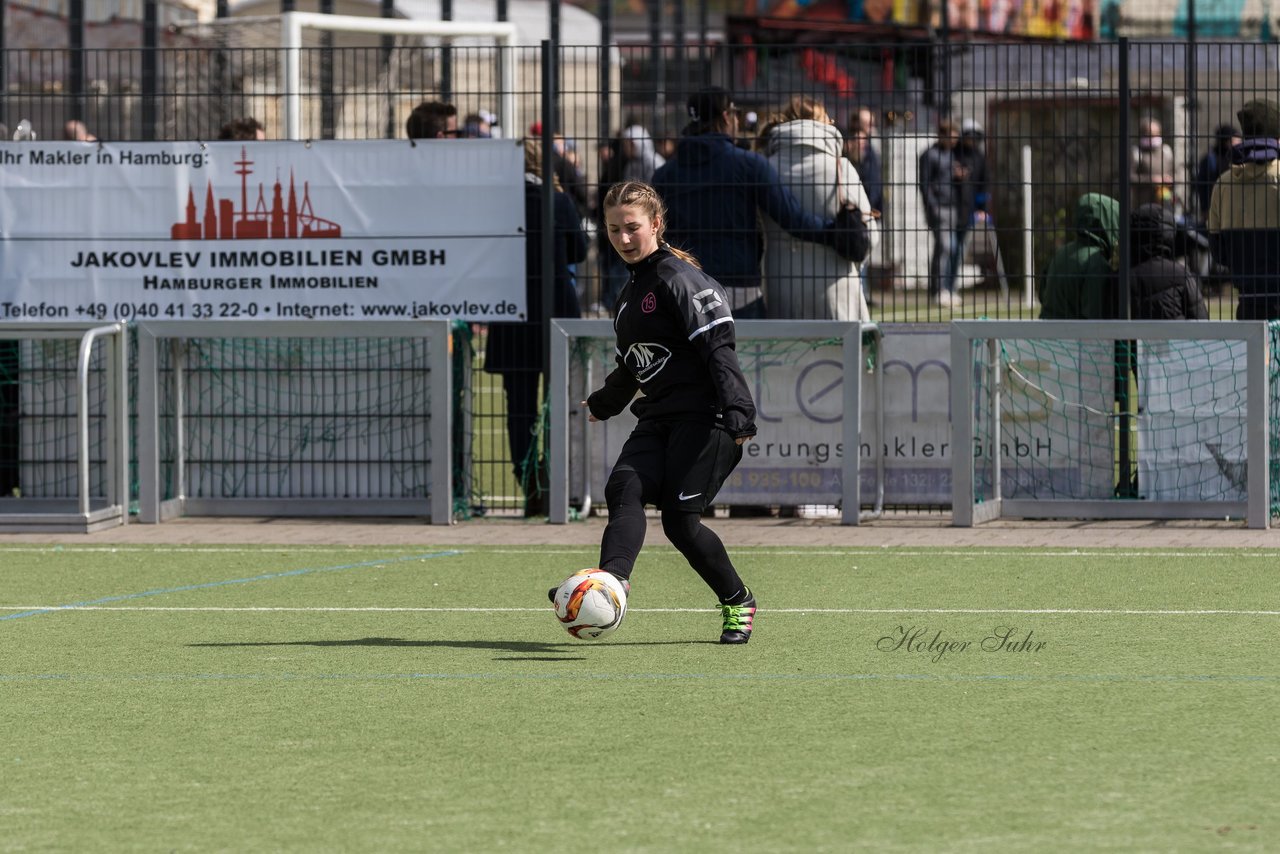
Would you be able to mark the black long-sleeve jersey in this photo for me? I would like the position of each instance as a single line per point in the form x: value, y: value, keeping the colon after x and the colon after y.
x: 675, y: 344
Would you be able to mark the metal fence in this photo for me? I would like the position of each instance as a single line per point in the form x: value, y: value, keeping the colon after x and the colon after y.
x: 1052, y: 122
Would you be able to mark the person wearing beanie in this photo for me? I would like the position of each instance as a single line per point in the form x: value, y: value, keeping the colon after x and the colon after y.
x: 1244, y: 213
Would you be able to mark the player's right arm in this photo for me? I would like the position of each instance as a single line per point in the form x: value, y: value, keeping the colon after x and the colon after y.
x: 619, y: 388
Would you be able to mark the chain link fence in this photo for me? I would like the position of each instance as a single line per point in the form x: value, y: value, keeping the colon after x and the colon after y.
x: 1039, y: 126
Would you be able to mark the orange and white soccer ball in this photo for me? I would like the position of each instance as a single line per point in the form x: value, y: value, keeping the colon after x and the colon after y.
x: 591, y: 603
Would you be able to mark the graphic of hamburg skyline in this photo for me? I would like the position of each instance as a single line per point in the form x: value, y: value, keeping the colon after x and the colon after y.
x: 283, y: 221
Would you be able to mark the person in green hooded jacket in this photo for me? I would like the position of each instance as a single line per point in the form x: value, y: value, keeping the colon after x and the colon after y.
x: 1080, y: 281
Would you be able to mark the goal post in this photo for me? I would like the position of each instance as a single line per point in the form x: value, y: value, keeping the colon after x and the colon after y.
x: 1111, y: 420
x: 843, y: 487
x: 72, y: 413
x: 292, y: 25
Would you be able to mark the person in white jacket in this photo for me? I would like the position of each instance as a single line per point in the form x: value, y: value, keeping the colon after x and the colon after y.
x: 803, y: 279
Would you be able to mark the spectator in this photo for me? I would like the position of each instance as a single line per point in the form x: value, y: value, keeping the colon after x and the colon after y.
x: 863, y: 150
x: 941, y: 175
x: 571, y: 179
x: 867, y: 119
x: 475, y: 126
x: 1215, y: 162
x: 76, y: 131
x: 514, y: 350
x: 1244, y: 213
x: 246, y: 129
x: 979, y: 241
x: 713, y: 189
x: 805, y: 279
x: 613, y: 270
x: 1152, y: 167
x: 640, y: 158
x: 433, y: 120
x: 862, y: 153
x: 975, y: 186
x: 1160, y: 285
x: 1080, y: 281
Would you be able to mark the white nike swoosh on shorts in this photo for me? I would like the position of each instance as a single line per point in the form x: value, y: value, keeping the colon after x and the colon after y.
x: 684, y: 497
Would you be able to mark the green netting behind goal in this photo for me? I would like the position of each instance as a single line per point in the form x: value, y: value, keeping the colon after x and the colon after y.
x: 339, y: 418
x: 1152, y: 420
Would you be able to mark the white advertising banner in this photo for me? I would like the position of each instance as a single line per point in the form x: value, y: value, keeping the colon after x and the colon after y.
x: 366, y: 230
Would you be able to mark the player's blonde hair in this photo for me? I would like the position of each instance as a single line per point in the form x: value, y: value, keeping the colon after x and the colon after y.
x: 641, y: 195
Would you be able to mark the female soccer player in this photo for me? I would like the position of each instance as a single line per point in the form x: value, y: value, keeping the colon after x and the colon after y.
x: 675, y: 342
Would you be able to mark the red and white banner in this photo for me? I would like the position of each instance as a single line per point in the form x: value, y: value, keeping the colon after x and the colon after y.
x: 368, y: 230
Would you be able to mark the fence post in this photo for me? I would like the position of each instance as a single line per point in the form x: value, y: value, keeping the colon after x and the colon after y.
x: 446, y: 56
x: 75, y: 56
x: 150, y: 68
x: 1028, y: 234
x: 657, y: 57
x: 387, y: 43
x: 1126, y: 185
x: 328, y: 117
x: 605, y: 131
x: 547, y: 237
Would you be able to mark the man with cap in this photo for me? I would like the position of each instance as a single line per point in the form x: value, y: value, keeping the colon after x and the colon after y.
x: 1244, y: 213
x: 713, y: 189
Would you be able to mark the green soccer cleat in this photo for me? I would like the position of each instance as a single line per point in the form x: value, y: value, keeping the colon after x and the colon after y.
x: 738, y: 620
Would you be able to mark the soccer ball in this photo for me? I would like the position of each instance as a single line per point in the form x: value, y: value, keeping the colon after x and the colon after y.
x: 591, y: 603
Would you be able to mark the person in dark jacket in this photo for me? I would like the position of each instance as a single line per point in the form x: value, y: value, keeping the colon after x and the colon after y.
x: 676, y: 345
x: 1080, y: 280
x: 1244, y: 213
x: 862, y: 153
x: 1160, y: 286
x: 1215, y: 162
x: 713, y: 190
x: 940, y: 175
x: 514, y: 350
x: 974, y: 183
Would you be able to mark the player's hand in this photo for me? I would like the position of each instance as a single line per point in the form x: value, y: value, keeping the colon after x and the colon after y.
x: 590, y: 417
x: 742, y: 440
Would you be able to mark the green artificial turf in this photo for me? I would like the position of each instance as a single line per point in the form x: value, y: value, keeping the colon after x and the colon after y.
x: 327, y: 699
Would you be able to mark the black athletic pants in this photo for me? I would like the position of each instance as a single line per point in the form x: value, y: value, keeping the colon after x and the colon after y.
x: 678, y: 466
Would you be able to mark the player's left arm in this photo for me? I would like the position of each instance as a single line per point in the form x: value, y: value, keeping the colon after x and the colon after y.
x: 704, y: 307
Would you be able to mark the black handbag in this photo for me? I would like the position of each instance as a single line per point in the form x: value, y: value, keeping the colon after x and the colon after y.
x: 851, y: 239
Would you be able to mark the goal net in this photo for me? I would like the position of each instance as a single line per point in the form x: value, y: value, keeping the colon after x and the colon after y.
x: 298, y: 418
x: 1116, y: 420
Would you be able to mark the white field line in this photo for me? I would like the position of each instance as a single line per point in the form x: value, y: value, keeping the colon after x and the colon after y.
x: 862, y: 551
x: 1105, y: 612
